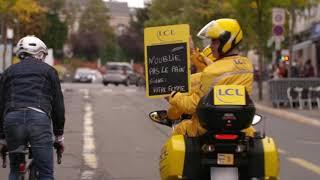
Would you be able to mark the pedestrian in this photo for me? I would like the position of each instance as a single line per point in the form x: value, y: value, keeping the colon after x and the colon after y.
x: 31, y: 108
x: 294, y: 69
x: 308, y: 69
x: 282, y: 70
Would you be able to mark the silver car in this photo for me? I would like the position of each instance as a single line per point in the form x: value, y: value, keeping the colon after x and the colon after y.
x: 87, y: 75
x: 119, y: 73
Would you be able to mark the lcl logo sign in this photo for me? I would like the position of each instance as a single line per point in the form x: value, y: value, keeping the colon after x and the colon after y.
x: 229, y: 95
x: 163, y: 35
x: 230, y: 92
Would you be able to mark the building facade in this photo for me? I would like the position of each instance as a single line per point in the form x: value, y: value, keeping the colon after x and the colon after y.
x: 119, y: 15
x: 307, y: 33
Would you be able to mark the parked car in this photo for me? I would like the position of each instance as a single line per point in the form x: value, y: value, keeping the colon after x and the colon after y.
x: 87, y: 75
x: 120, y: 73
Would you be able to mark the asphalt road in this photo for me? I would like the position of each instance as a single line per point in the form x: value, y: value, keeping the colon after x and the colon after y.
x: 108, y: 136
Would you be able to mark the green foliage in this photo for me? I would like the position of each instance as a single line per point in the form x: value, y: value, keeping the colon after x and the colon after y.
x: 131, y: 42
x: 253, y: 15
x: 195, y: 13
x: 95, y: 35
x: 56, y: 34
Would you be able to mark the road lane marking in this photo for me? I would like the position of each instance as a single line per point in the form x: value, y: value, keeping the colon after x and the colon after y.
x: 281, y: 151
x: 117, y: 91
x: 84, y: 90
x: 107, y: 90
x: 310, y: 142
x: 305, y: 164
x: 87, y: 175
x: 131, y: 90
x: 301, y: 162
x: 89, y: 147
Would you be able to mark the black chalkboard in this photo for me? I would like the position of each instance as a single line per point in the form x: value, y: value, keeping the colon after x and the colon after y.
x: 167, y: 69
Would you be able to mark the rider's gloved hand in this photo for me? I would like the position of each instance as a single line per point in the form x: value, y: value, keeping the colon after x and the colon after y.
x: 59, y: 143
x: 3, y: 145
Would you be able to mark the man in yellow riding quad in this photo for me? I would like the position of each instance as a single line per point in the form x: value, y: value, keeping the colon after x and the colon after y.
x: 227, y: 68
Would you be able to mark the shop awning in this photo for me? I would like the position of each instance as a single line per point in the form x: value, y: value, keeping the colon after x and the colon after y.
x: 302, y: 45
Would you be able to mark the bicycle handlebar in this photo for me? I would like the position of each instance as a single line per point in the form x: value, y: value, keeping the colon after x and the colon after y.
x: 4, y: 153
x: 4, y: 157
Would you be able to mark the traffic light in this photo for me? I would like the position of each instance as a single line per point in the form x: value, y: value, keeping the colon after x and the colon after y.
x: 285, y: 58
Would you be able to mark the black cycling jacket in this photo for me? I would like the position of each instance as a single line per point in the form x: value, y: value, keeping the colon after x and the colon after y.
x: 32, y: 83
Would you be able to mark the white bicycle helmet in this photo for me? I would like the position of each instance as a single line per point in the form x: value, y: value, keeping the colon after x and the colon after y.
x: 31, y: 45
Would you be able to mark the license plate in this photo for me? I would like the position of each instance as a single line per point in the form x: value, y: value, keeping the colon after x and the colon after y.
x: 225, y: 159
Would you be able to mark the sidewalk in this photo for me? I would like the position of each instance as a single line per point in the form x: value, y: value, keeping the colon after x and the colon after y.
x: 301, y: 115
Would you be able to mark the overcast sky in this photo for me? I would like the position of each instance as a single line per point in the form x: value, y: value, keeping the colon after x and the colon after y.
x: 132, y: 3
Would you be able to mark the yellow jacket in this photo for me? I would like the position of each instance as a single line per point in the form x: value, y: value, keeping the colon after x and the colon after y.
x: 197, y: 60
x: 173, y: 112
x: 230, y: 70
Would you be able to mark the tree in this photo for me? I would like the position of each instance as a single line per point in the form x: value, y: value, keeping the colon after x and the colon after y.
x: 132, y: 40
x: 56, y: 34
x: 255, y: 18
x: 16, y: 13
x: 195, y: 13
x: 95, y: 35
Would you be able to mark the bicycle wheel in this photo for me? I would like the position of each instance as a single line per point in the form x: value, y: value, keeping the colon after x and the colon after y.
x: 33, y: 174
x: 21, y: 177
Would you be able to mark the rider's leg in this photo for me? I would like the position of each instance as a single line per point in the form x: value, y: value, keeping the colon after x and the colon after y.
x: 41, y: 141
x: 15, y: 131
x: 181, y: 128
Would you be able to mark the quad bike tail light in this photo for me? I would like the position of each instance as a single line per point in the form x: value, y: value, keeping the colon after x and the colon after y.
x: 226, y: 136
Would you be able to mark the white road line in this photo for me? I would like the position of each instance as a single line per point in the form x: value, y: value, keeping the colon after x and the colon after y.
x: 281, y: 151
x: 84, y: 90
x: 89, y: 147
x: 301, y: 162
x: 107, y: 90
x: 131, y: 90
x: 310, y: 142
x: 305, y: 164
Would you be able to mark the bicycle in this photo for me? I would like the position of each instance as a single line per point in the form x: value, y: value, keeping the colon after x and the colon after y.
x: 26, y: 166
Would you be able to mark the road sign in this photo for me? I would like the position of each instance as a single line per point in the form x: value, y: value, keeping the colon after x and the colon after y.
x: 278, y: 21
x: 278, y: 16
x: 277, y: 30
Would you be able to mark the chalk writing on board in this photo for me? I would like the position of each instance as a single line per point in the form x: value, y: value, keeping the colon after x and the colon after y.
x: 167, y: 68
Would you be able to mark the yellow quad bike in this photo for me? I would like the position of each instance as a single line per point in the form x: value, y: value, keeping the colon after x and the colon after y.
x: 225, y: 152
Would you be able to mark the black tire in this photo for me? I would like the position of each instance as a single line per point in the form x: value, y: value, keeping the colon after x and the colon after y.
x: 105, y: 83
x: 33, y: 174
x: 116, y: 84
x: 21, y: 177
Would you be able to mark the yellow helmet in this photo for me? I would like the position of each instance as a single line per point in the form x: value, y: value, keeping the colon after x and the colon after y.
x: 228, y: 31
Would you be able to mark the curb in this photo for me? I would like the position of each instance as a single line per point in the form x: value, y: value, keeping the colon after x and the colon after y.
x: 288, y: 115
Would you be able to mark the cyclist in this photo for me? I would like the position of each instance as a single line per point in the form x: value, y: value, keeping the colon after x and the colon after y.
x: 227, y: 68
x: 31, y: 106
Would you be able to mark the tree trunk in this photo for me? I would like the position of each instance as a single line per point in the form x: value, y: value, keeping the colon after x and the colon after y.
x: 260, y: 49
x: 291, y: 34
x: 4, y: 40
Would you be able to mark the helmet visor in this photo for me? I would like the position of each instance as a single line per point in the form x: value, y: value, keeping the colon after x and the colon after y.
x: 203, y: 32
x: 211, y: 30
